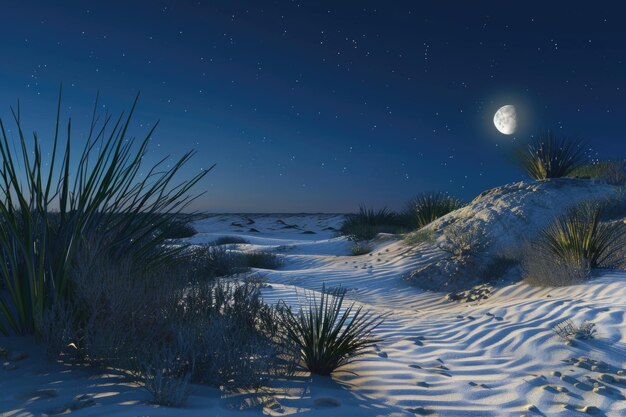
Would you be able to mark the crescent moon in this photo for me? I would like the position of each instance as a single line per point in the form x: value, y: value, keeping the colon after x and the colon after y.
x: 505, y: 119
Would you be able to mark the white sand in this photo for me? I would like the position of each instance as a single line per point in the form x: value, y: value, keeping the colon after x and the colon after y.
x: 493, y: 358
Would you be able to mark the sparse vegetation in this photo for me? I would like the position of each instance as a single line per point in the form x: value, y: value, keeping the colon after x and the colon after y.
x: 360, y: 248
x: 612, y: 172
x: 547, y: 156
x: 572, y: 245
x: 262, y: 260
x: 327, y: 335
x: 420, y: 236
x: 230, y: 240
x: 165, y: 329
x: 367, y: 223
x: 569, y: 331
x: 464, y: 243
x: 428, y: 207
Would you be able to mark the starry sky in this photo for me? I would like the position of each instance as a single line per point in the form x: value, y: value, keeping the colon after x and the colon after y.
x: 314, y: 106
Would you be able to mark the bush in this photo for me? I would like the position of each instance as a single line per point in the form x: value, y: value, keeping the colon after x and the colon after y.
x: 464, y: 244
x: 580, y: 238
x: 547, y: 156
x: 367, y: 223
x: 54, y: 204
x: 428, y: 207
x: 420, y: 236
x: 230, y: 240
x: 360, y: 248
x: 572, y: 245
x: 612, y: 172
x: 327, y: 335
x: 262, y: 260
x: 215, y: 261
x: 167, y: 329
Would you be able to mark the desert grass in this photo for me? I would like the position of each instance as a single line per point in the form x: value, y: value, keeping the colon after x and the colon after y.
x: 367, y: 223
x: 327, y: 335
x: 547, y: 156
x: 50, y: 202
x: 262, y: 260
x: 576, y: 242
x: 428, y: 207
x: 360, y: 248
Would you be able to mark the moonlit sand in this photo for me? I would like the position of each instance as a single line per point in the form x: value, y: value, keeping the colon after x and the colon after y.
x: 494, y: 357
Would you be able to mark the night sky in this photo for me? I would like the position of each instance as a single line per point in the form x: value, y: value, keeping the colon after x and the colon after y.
x: 322, y: 106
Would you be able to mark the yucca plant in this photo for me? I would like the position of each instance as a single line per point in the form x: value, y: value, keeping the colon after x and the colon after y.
x: 48, y: 207
x: 428, y: 207
x: 365, y: 224
x: 548, y: 156
x: 578, y: 237
x: 328, y: 335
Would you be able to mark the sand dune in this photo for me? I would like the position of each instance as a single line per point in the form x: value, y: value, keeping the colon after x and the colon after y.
x: 496, y: 357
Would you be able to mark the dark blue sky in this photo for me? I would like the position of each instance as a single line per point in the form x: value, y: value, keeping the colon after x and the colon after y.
x: 322, y: 106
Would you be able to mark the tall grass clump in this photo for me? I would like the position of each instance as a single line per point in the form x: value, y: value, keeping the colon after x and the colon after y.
x: 548, y: 156
x: 367, y: 223
x: 572, y: 245
x: 52, y: 200
x: 329, y: 335
x: 428, y: 207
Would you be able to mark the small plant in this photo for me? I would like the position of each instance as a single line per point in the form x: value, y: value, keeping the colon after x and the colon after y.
x: 420, y: 236
x: 164, y: 379
x: 428, y: 207
x: 327, y: 335
x: 262, y: 260
x: 612, y: 172
x: 580, y: 238
x: 230, y: 240
x: 547, y: 156
x: 464, y: 243
x: 367, y: 223
x: 569, y: 331
x: 360, y: 248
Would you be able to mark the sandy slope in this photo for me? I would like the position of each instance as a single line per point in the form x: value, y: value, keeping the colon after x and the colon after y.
x: 493, y: 358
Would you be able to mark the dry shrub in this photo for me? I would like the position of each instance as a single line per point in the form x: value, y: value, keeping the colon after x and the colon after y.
x: 166, y: 329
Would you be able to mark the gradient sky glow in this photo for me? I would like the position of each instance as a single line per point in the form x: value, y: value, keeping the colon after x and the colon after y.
x: 322, y: 106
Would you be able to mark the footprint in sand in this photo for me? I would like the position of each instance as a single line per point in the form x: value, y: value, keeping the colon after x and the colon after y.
x: 383, y: 355
x: 326, y: 403
x: 422, y: 384
x: 421, y: 411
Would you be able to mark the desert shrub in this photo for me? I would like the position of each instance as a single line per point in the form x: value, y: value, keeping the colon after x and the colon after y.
x: 230, y: 240
x: 262, y: 260
x: 360, y: 248
x: 367, y: 223
x: 52, y: 201
x: 568, y: 331
x: 428, y: 207
x: 327, y: 335
x: 579, y: 237
x: 547, y: 156
x: 612, y: 172
x: 464, y: 243
x: 420, y: 236
x: 215, y: 261
x: 167, y: 329
x: 544, y: 269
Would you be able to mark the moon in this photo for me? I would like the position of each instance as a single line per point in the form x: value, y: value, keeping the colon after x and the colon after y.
x: 505, y: 119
